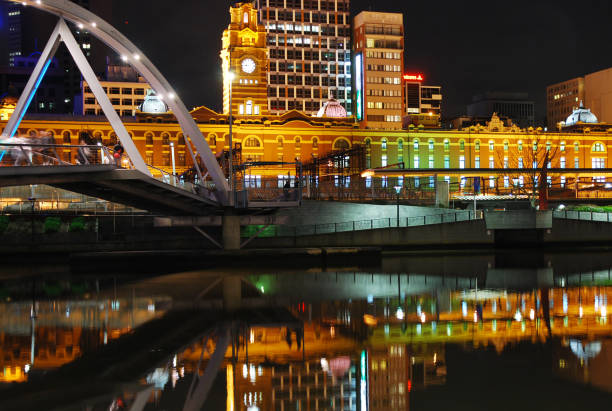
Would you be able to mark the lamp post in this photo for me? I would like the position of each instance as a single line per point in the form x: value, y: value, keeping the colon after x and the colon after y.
x: 398, y: 189
x: 173, y: 164
x: 231, y: 76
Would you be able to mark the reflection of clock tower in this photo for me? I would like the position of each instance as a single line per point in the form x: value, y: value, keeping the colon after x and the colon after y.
x: 244, y: 53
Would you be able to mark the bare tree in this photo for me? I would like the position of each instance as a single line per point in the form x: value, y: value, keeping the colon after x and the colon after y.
x: 531, y: 154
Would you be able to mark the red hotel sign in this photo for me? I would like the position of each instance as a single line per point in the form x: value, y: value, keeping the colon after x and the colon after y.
x: 413, y: 77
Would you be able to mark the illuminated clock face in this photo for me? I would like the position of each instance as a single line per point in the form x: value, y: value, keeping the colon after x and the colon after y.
x: 248, y: 65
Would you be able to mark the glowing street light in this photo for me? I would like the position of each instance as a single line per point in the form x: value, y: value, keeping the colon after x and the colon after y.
x: 398, y: 190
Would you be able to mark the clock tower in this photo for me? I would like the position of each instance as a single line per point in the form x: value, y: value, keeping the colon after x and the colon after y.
x: 244, y: 57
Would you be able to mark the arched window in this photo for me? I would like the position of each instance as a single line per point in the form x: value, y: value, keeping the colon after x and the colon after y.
x: 491, y: 145
x: 446, y: 145
x: 548, y: 145
x: 165, y: 138
x: 461, y: 145
x: 279, y: 142
x: 252, y: 142
x: 315, y: 142
x: 112, y: 137
x: 506, y: 145
x: 181, y: 139
x: 149, y: 139
x: 212, y: 140
x: 249, y: 107
x: 535, y: 146
x: 416, y: 144
x: 562, y: 146
x: 246, y: 18
x: 520, y: 145
x: 598, y: 147
x: 341, y: 144
x: 576, y: 146
x: 430, y: 145
x: 298, y: 143
x: 67, y: 137
x: 383, y: 144
x: 400, y: 144
x: 477, y: 145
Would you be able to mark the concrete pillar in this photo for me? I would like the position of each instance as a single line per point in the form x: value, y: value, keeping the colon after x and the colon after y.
x: 442, y: 194
x: 231, y: 231
x: 232, y: 293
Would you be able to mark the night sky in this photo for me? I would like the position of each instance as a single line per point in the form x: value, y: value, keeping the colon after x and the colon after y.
x: 468, y: 47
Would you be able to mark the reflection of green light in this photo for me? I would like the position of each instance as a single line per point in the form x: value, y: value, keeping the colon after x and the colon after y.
x: 523, y: 326
x: 363, y: 365
x: 262, y: 289
x: 386, y: 330
x: 449, y: 329
x: 434, y: 326
x: 418, y: 329
x: 565, y: 321
x: 494, y: 325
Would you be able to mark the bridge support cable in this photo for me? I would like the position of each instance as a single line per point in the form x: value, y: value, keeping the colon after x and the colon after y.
x: 34, y: 81
x: 102, y: 98
x: 195, y: 400
x: 110, y: 36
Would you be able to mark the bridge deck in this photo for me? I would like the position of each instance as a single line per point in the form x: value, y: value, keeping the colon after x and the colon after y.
x: 114, y: 184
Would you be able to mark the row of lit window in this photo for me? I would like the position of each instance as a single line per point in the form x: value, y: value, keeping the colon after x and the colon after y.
x: 383, y: 55
x: 382, y: 105
x: 384, y: 80
x: 118, y: 90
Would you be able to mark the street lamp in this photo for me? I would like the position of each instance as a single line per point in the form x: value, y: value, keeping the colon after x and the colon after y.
x: 173, y: 164
x: 231, y: 76
x: 398, y: 189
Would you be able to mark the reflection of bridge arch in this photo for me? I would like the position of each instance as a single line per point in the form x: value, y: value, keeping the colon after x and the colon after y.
x: 103, y: 31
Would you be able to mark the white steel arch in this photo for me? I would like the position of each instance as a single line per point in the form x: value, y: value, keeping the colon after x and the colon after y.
x: 106, y: 33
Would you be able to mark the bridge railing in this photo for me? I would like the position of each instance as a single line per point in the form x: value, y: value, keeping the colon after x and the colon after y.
x: 583, y: 215
x: 33, y: 154
x: 372, y: 224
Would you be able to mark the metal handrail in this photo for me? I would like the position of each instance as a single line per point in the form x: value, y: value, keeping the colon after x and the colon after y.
x: 602, y: 217
x: 373, y: 224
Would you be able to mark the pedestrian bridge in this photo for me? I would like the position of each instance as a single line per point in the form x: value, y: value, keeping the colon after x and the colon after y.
x: 97, y: 172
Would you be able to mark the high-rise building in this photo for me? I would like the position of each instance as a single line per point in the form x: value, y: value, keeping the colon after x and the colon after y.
x: 593, y: 91
x: 562, y: 99
x: 244, y: 59
x: 310, y: 53
x: 423, y: 104
x: 598, y: 94
x: 125, y: 88
x: 27, y: 32
x: 516, y: 106
x: 379, y: 64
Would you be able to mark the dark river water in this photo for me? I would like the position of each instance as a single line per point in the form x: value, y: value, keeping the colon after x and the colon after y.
x: 459, y: 330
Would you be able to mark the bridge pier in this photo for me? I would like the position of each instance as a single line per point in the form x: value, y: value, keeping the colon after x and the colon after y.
x: 231, y: 231
x: 232, y: 293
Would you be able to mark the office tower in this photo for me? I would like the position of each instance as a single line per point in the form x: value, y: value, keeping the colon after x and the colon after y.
x: 310, y: 53
x: 379, y: 62
x: 561, y: 99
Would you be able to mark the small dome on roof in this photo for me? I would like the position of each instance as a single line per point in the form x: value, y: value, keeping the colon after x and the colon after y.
x: 332, y: 108
x: 152, y: 104
x: 581, y: 115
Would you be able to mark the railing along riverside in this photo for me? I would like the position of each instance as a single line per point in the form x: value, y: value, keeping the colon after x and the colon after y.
x: 373, y: 224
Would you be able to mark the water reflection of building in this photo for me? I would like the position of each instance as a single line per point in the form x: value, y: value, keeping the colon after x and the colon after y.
x: 60, y: 331
x: 389, y: 378
x: 585, y: 361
